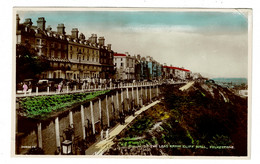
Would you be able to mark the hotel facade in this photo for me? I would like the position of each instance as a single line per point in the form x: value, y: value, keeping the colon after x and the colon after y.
x: 71, y: 57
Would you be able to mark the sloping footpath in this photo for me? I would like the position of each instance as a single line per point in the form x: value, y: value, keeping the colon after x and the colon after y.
x: 101, y: 146
x: 187, y: 86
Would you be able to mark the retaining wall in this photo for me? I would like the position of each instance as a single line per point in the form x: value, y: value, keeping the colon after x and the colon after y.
x: 87, y: 120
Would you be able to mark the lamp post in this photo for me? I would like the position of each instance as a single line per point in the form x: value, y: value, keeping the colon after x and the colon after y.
x: 66, y: 147
x: 79, y: 56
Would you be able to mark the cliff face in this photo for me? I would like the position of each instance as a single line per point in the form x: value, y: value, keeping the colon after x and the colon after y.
x: 203, y: 120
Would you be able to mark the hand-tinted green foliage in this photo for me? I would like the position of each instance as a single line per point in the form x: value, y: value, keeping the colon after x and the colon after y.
x: 28, y: 63
x: 43, y: 105
x: 211, y: 116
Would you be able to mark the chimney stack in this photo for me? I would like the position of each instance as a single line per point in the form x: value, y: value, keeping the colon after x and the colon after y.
x: 101, y: 41
x: 48, y: 28
x: 41, y: 23
x: 109, y: 47
x: 28, y: 21
x: 82, y: 37
x: 61, y: 29
x: 17, y: 22
x: 75, y: 33
x: 93, y: 38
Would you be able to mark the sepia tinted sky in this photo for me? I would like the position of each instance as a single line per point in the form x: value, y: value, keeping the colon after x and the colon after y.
x: 210, y: 42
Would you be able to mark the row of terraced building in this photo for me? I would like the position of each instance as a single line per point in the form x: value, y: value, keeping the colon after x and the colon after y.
x: 74, y: 56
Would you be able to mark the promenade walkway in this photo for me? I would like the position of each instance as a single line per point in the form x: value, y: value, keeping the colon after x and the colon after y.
x: 66, y: 90
x: 101, y: 146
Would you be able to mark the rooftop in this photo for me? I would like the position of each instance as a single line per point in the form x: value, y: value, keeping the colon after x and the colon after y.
x: 182, y: 69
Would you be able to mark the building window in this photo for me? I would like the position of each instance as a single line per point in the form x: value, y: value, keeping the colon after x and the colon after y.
x: 115, y: 64
x: 37, y: 41
x: 83, y: 56
x: 121, y: 59
x: 70, y: 56
x: 70, y: 47
x: 122, y: 64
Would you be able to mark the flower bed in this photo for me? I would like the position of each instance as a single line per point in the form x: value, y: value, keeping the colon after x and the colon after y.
x: 41, y: 106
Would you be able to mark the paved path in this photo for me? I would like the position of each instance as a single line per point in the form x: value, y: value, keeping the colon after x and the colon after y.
x: 187, y: 86
x: 100, y: 147
x: 65, y: 91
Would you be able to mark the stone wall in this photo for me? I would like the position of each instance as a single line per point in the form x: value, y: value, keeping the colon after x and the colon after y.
x: 48, y: 136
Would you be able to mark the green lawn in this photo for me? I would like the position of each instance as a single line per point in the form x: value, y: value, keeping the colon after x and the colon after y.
x: 41, y: 106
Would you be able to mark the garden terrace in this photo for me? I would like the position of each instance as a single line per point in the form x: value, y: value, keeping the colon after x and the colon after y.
x: 42, y: 107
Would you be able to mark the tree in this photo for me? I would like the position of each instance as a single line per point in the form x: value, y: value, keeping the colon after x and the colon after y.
x: 28, y: 63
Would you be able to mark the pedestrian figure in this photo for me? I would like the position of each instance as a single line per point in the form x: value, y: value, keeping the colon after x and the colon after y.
x: 30, y: 85
x: 121, y: 118
x: 132, y: 108
x: 59, y: 87
x: 25, y: 87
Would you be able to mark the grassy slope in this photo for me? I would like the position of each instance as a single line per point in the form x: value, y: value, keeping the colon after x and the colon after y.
x: 199, y: 117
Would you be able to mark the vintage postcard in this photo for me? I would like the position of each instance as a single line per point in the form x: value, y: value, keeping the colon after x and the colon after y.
x: 132, y: 82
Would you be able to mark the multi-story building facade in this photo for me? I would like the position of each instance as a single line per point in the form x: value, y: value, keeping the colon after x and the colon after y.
x: 119, y: 62
x: 147, y: 68
x: 125, y: 66
x: 154, y: 68
x: 71, y: 57
x: 106, y: 59
x: 48, y: 43
x: 170, y: 72
x: 157, y: 70
x: 83, y: 56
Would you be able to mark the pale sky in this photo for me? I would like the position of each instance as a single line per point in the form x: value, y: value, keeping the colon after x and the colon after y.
x: 214, y: 44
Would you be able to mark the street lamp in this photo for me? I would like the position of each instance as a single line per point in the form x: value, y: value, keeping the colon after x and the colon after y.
x: 66, y: 147
x: 79, y: 56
